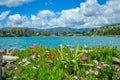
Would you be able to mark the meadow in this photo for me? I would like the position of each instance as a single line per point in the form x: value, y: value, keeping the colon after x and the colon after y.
x: 64, y: 63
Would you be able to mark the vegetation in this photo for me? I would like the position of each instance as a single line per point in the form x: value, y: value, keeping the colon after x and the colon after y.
x: 17, y: 32
x: 64, y: 63
x: 112, y: 30
x: 104, y: 31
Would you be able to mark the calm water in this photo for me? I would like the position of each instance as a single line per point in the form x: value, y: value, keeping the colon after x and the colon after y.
x: 25, y: 42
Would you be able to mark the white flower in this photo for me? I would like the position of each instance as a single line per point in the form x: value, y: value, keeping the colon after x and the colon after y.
x: 85, y: 51
x: 46, y: 51
x: 19, y: 62
x: 24, y: 60
x: 38, y: 56
x: 75, y: 77
x: 34, y: 67
x: 98, y: 67
x: 14, y: 77
x: 105, y: 65
x: 16, y: 68
x: 96, y: 72
x: 91, y: 71
x: 26, y: 63
x: 38, y: 66
x: 90, y: 50
x: 95, y: 61
x: 87, y: 72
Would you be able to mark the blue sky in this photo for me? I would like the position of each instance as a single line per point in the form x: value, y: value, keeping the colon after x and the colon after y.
x: 58, y: 13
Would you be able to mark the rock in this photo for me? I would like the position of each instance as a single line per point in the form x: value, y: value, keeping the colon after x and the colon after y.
x: 10, y: 58
x: 118, y: 74
x: 2, y: 52
x: 12, y: 51
x: 9, y: 51
x: 117, y: 66
x: 117, y: 60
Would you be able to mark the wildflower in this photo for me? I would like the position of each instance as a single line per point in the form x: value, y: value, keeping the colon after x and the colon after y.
x: 87, y: 72
x: 38, y: 56
x: 105, y: 65
x: 14, y: 77
x: 16, y: 68
x: 91, y: 71
x: 34, y: 55
x: 102, y: 65
x: 98, y: 67
x: 90, y: 50
x: 85, y: 51
x: 34, y: 67
x: 95, y: 61
x: 84, y: 58
x: 24, y: 60
x: 75, y: 77
x: 103, y: 47
x: 38, y: 66
x: 46, y: 51
x: 32, y: 46
x: 26, y: 63
x: 48, y: 65
x: 19, y: 62
x: 96, y: 72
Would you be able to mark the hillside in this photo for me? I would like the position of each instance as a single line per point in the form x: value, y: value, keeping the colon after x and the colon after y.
x: 17, y: 32
x: 110, y: 30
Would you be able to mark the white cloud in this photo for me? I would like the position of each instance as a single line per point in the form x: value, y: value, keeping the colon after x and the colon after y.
x: 17, y: 20
x: 13, y: 3
x: 3, y: 15
x: 42, y: 18
x: 89, y: 14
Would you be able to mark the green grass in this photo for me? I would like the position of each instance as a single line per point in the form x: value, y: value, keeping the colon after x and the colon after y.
x: 64, y: 63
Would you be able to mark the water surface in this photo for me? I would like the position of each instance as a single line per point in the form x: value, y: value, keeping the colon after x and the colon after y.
x: 25, y: 42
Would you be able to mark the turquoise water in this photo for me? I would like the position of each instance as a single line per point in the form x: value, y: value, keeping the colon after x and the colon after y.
x: 25, y: 42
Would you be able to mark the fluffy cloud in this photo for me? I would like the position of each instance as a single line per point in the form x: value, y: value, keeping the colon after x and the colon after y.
x: 12, y: 3
x: 17, y: 21
x: 3, y: 15
x: 89, y: 14
x: 42, y: 19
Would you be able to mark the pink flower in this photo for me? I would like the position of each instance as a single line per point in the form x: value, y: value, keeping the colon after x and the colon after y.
x: 32, y: 46
x: 48, y: 65
x: 34, y: 55
x: 84, y: 58
x: 104, y: 47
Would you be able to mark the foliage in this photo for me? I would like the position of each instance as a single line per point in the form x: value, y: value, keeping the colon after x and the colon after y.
x: 64, y: 63
x: 101, y: 31
x: 104, y: 31
x: 18, y: 32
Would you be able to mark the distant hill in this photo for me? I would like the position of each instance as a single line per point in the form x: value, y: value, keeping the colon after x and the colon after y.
x: 104, y: 31
x: 17, y: 32
x: 64, y: 29
x: 109, y: 30
x: 53, y: 30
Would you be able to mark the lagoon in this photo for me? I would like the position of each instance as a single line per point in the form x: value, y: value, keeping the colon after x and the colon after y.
x: 54, y: 41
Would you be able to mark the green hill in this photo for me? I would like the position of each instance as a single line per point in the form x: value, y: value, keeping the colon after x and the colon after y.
x: 111, y: 30
x: 18, y: 32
